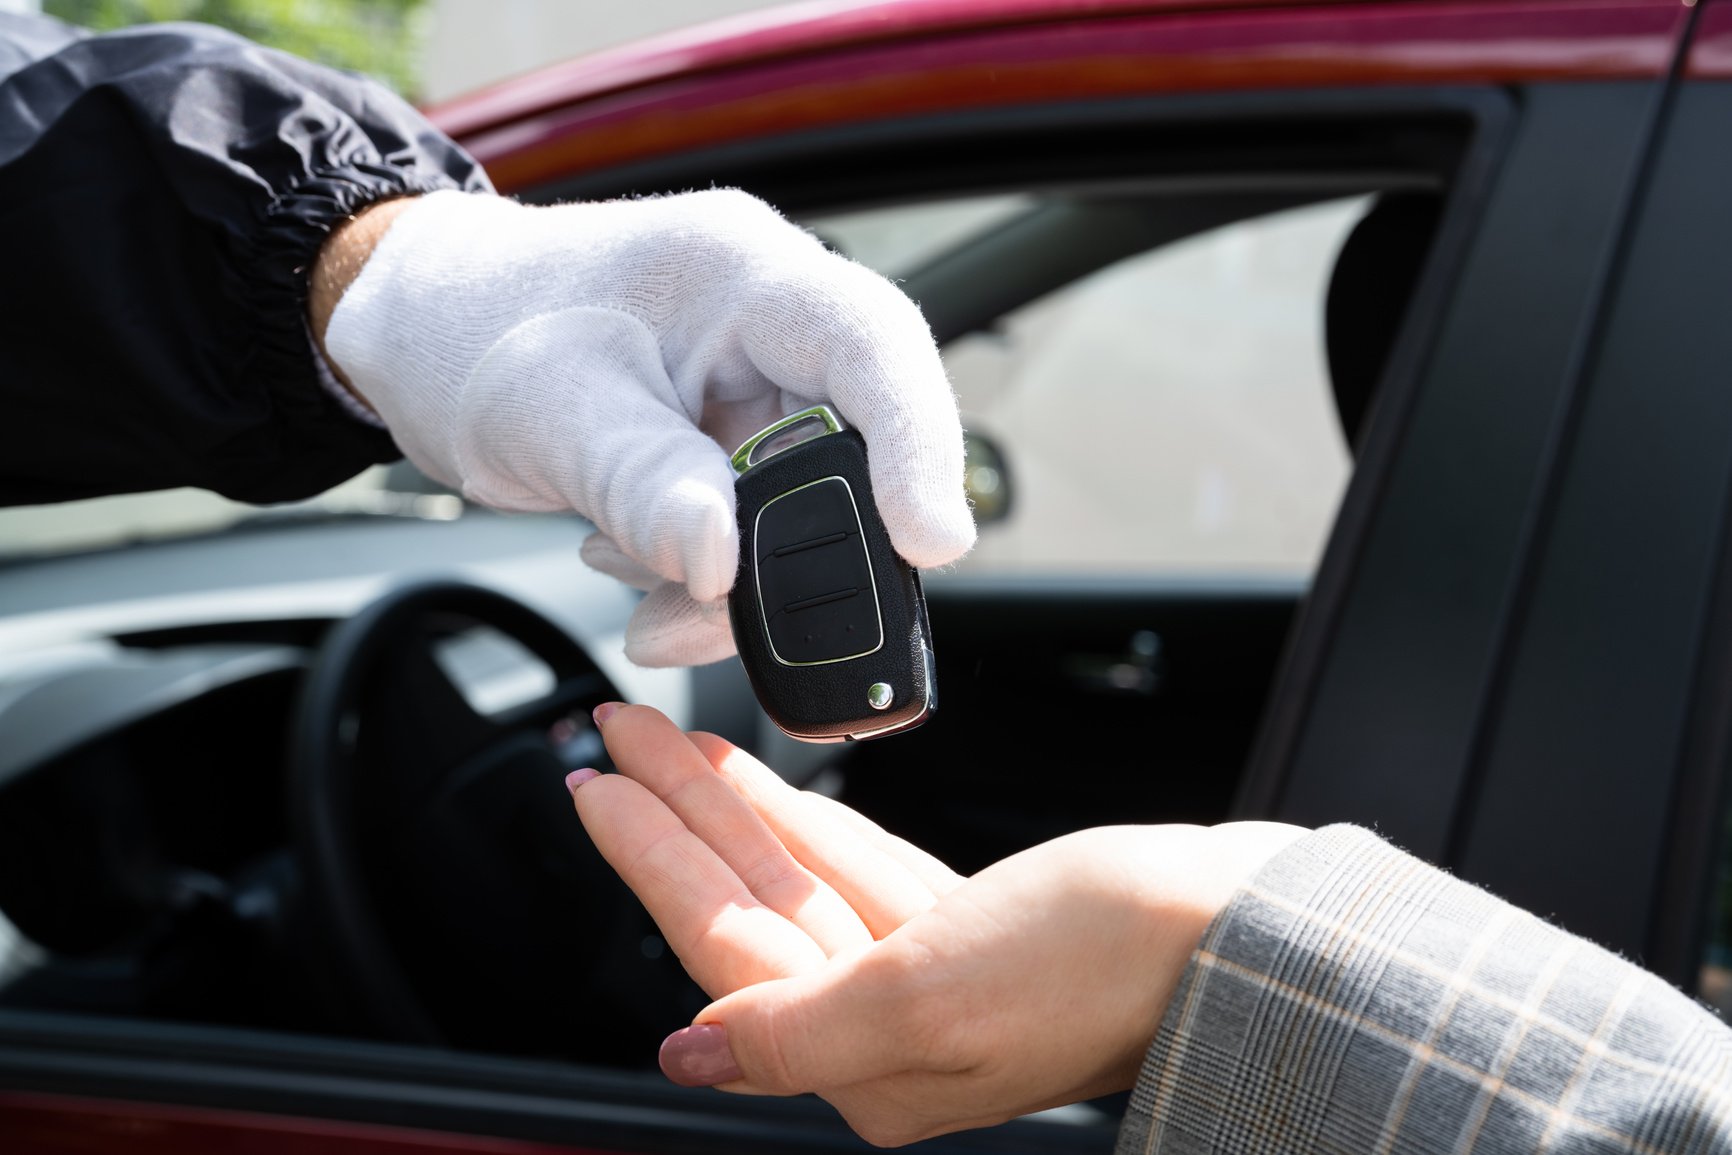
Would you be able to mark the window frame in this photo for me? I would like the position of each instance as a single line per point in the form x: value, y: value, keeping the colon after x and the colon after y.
x: 462, y: 1093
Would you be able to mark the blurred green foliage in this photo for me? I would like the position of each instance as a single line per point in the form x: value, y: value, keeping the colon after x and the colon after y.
x: 380, y: 37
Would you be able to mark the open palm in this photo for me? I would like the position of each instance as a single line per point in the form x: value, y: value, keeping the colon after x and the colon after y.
x: 849, y: 963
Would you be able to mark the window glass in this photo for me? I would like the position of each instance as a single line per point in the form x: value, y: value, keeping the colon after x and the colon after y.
x: 898, y: 241
x: 1169, y: 413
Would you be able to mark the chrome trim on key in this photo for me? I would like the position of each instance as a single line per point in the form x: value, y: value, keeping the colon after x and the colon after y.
x: 742, y: 458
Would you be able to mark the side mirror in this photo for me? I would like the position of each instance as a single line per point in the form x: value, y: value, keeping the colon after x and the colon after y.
x: 985, y: 477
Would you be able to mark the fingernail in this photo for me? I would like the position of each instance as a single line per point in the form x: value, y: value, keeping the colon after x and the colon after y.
x: 604, y: 711
x: 578, y: 777
x: 699, y: 1056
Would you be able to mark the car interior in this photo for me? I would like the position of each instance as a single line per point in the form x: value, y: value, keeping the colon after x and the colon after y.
x: 354, y: 825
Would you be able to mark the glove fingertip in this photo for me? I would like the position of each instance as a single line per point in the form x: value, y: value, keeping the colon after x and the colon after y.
x: 669, y: 628
x: 932, y: 535
x: 603, y: 554
x: 678, y: 651
x: 714, y: 559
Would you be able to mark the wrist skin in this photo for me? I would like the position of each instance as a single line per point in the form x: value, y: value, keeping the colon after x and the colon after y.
x: 340, y: 260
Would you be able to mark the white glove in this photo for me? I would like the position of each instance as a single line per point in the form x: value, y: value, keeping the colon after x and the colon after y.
x: 606, y: 358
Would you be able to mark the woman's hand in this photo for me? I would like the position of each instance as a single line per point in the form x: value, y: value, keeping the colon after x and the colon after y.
x: 849, y: 963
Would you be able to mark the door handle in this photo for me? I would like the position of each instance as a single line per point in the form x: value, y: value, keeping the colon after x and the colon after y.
x: 1138, y: 671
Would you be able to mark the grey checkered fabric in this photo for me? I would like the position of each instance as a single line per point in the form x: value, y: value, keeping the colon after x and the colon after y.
x: 1354, y: 999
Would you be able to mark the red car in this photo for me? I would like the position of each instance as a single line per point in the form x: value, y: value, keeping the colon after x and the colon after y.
x: 1350, y: 391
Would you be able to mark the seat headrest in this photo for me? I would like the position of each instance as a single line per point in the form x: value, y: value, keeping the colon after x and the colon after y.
x: 1374, y: 276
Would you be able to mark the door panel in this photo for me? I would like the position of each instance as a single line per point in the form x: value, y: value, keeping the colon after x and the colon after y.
x: 1375, y: 719
x: 1064, y: 705
x: 1589, y: 729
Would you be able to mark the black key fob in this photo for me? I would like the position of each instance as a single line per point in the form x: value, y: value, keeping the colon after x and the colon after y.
x: 830, y: 622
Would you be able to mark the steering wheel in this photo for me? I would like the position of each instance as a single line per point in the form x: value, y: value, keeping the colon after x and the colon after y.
x: 449, y: 893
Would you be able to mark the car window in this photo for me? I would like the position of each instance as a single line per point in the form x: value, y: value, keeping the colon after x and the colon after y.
x: 898, y: 241
x: 1168, y: 413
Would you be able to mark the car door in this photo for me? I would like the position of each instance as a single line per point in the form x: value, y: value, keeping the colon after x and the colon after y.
x: 1690, y: 938
x: 1526, y: 680
x: 1596, y: 776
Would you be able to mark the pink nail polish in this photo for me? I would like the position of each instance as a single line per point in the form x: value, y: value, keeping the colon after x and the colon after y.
x: 605, y: 711
x: 699, y: 1056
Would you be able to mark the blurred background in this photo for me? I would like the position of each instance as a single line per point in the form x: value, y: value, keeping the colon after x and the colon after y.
x: 427, y: 49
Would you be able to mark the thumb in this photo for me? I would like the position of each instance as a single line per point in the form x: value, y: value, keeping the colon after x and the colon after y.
x: 834, y: 1027
x: 574, y: 410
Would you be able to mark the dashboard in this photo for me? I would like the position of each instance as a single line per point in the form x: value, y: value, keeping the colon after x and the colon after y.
x: 156, y: 859
x: 148, y: 864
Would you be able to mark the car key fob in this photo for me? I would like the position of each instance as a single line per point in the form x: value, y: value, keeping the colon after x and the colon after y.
x: 829, y: 621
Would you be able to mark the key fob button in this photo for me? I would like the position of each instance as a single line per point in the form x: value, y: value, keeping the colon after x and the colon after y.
x: 815, y: 578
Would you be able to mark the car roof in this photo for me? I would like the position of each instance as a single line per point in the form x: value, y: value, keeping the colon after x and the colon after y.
x: 819, y: 64
x: 785, y: 31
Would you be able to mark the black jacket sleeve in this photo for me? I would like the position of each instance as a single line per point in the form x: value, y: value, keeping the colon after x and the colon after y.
x: 163, y: 192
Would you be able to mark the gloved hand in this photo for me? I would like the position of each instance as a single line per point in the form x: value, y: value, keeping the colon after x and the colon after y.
x: 606, y: 357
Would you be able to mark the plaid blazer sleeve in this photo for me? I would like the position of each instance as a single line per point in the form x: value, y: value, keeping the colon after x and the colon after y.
x: 1354, y: 999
